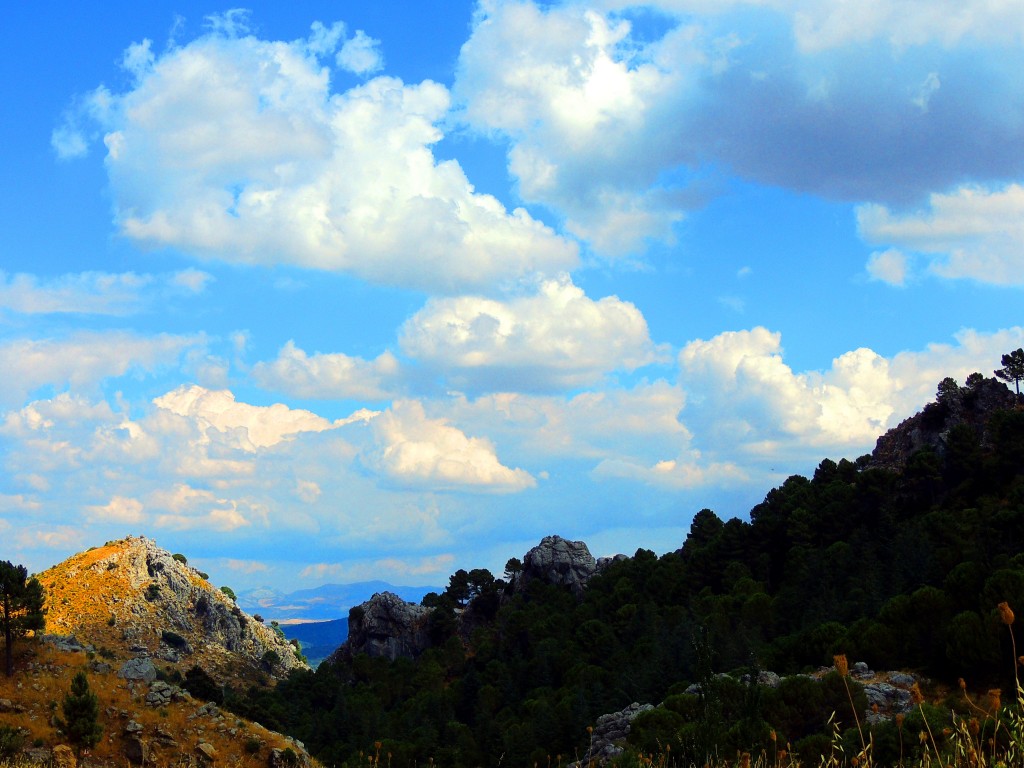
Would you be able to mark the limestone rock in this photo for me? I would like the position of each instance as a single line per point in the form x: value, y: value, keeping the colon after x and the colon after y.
x: 63, y: 757
x: 559, y: 561
x: 387, y: 626
x: 138, y: 669
x: 207, y: 750
x: 609, y: 732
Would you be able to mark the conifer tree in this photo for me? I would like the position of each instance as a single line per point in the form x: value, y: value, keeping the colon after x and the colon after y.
x: 81, y: 713
x: 21, y: 607
x: 1013, y: 368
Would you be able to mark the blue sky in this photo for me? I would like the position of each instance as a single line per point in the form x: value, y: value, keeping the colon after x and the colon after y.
x: 345, y: 291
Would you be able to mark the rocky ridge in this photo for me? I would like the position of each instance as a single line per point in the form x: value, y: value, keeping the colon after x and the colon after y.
x: 971, y: 406
x: 388, y: 626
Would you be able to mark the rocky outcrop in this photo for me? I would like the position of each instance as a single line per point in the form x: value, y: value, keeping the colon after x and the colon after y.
x: 609, y: 734
x: 558, y: 561
x: 971, y: 405
x: 387, y: 626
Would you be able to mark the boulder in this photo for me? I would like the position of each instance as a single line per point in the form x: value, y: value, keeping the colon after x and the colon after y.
x: 63, y: 757
x: 207, y: 750
x: 138, y: 669
x: 558, y: 561
x: 136, y: 750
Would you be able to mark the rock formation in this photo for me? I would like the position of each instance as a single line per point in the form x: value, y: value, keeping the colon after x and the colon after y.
x: 558, y: 561
x: 970, y: 405
x: 388, y: 626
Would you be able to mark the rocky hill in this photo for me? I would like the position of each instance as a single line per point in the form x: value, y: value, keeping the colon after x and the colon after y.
x: 136, y: 599
x: 145, y: 627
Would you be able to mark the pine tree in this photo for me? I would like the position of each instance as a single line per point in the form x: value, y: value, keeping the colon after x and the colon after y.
x: 1013, y: 368
x: 81, y: 713
x: 21, y: 607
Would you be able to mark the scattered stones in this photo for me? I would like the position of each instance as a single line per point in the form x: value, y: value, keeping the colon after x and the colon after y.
x: 133, y: 727
x: 6, y: 705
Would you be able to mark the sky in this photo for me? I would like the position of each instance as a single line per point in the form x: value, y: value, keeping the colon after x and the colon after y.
x: 329, y: 292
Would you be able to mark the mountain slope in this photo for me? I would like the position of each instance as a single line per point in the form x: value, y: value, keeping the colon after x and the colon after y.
x: 132, y: 597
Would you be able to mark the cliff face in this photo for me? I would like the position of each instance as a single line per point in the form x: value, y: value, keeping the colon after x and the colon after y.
x: 971, y: 406
x: 133, y: 596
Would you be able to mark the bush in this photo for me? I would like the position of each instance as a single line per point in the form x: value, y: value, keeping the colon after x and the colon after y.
x: 180, y: 558
x: 11, y: 742
x: 153, y: 591
x: 230, y: 593
x: 252, y: 745
x: 81, y: 713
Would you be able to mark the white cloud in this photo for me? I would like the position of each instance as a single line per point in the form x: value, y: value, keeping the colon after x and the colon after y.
x: 328, y: 376
x: 245, y: 566
x: 621, y: 132
x: 235, y: 148
x: 96, y: 293
x: 251, y: 427
x: 555, y: 339
x: 683, y: 473
x: 889, y: 266
x: 361, y: 54
x: 82, y: 360
x: 118, y: 510
x: 971, y: 233
x: 308, y: 491
x: 743, y: 397
x: 223, y: 520
x: 419, y: 451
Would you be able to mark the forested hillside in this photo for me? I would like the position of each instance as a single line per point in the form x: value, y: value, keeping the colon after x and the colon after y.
x: 898, y: 559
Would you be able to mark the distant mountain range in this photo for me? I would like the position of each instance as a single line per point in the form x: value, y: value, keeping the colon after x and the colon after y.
x: 326, y: 602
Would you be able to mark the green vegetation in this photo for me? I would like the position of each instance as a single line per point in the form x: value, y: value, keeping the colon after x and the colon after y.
x: 230, y: 593
x: 900, y: 569
x: 81, y: 710
x: 21, y: 608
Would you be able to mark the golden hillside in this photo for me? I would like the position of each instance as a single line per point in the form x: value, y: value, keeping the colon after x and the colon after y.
x: 136, y: 619
x: 131, y: 597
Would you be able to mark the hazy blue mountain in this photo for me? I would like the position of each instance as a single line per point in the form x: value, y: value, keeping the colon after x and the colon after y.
x: 319, y: 639
x: 328, y: 601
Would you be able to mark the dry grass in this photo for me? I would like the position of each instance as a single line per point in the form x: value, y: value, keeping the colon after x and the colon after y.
x: 43, y: 676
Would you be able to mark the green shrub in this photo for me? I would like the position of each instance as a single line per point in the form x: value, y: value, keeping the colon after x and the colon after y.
x: 180, y: 558
x: 11, y: 742
x: 252, y: 745
x: 153, y: 591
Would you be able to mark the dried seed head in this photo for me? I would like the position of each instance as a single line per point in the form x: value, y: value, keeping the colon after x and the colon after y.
x: 1005, y: 614
x: 915, y: 694
x: 874, y: 708
x: 995, y: 700
x: 962, y: 683
x: 922, y: 737
x: 973, y: 726
x: 899, y: 720
x: 772, y: 735
x: 842, y: 666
